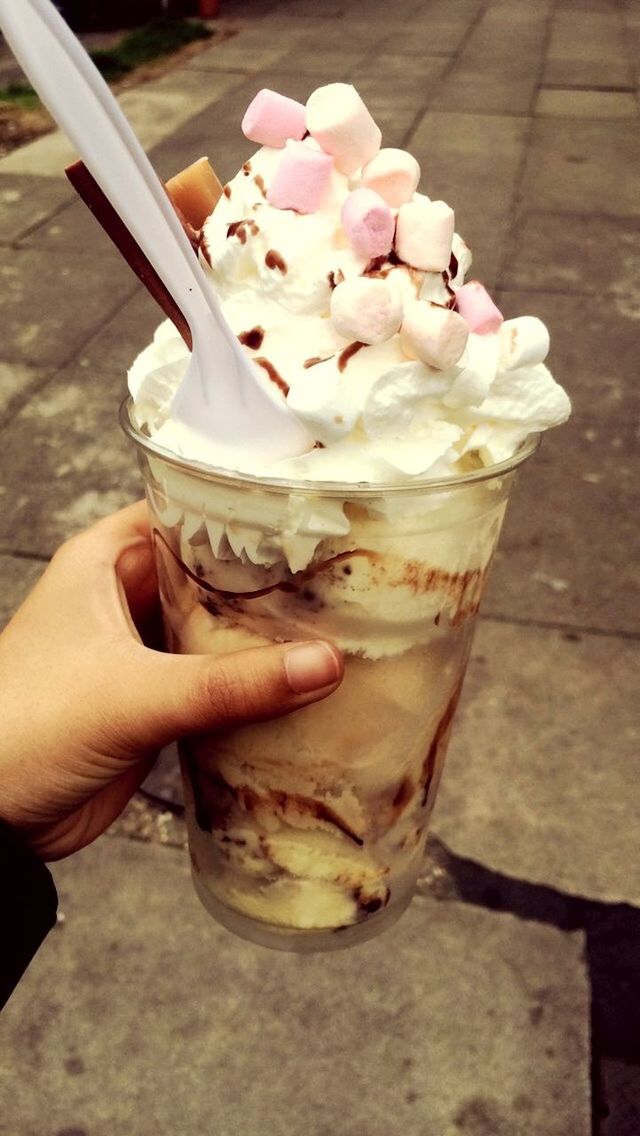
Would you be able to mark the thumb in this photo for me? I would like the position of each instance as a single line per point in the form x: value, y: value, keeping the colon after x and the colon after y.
x: 171, y: 696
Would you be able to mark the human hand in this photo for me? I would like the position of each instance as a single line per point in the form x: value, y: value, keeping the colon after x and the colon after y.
x: 86, y: 705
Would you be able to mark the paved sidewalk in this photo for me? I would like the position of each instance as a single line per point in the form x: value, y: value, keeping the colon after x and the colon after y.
x: 505, y: 1003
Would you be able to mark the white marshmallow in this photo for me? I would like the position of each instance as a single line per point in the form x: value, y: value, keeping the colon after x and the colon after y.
x: 424, y: 232
x: 394, y: 174
x: 523, y: 343
x: 338, y: 119
x: 433, y: 334
x: 366, y: 309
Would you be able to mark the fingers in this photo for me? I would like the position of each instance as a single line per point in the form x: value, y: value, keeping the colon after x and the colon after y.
x: 170, y: 696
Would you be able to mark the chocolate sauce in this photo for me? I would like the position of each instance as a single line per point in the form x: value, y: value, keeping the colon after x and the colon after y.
x: 283, y: 585
x: 380, y: 266
x: 246, y: 169
x: 274, y: 260
x: 453, y: 266
x: 439, y: 740
x: 227, y: 191
x: 452, y: 296
x: 373, y: 903
x: 348, y: 354
x: 335, y: 278
x: 239, y: 229
x: 259, y: 180
x: 314, y: 360
x: 276, y: 378
x: 252, y: 338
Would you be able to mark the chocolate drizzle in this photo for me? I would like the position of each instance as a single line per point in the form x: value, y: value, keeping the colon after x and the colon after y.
x: 335, y: 278
x: 381, y: 266
x: 452, y: 296
x: 273, y: 374
x: 252, y: 338
x: 348, y: 354
x: 215, y: 807
x: 259, y: 180
x: 246, y: 169
x: 314, y: 360
x: 440, y: 739
x: 239, y: 229
x: 274, y: 260
x: 282, y: 585
x: 227, y: 191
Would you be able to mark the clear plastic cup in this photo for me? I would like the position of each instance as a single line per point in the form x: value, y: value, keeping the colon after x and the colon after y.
x: 308, y: 832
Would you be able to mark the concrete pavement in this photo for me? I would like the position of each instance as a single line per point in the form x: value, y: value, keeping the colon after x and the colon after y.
x: 515, y: 1012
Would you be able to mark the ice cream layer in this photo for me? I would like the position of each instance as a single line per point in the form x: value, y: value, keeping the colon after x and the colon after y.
x: 346, y: 287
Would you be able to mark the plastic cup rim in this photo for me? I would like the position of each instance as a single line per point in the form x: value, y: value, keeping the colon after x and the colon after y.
x: 361, y: 489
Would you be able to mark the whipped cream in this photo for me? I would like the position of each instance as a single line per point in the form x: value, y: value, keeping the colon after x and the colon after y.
x: 376, y: 413
x: 399, y: 373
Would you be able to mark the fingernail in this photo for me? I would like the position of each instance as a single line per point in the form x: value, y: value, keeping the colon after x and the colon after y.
x: 310, y: 666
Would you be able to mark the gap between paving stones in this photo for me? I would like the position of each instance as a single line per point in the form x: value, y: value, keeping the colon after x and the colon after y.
x: 480, y: 14
x: 510, y: 231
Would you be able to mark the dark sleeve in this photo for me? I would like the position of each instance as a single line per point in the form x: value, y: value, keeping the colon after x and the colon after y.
x: 28, y: 905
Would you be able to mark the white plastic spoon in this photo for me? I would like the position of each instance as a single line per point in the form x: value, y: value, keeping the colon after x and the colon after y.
x: 221, y: 395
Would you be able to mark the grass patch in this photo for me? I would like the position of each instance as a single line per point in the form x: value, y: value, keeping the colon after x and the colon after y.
x: 160, y: 36
x: 21, y: 95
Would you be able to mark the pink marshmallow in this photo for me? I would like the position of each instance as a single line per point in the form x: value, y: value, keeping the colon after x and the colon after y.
x: 270, y: 119
x: 366, y: 309
x: 424, y: 232
x: 338, y: 119
x: 433, y: 334
x: 302, y: 179
x: 394, y: 174
x: 477, y: 308
x: 368, y: 222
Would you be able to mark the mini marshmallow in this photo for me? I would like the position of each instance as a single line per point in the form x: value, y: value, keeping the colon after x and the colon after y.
x: 366, y: 309
x: 437, y: 336
x: 478, y: 309
x: 368, y: 222
x: 302, y: 179
x: 424, y: 232
x: 271, y: 119
x: 394, y: 174
x: 338, y: 119
x: 523, y: 343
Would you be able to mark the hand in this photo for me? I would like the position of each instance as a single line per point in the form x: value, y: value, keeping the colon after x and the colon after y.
x: 85, y: 705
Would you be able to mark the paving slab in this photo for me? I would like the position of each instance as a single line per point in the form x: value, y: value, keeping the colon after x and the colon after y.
x: 65, y: 462
x: 28, y: 201
x: 140, y: 1015
x: 581, y: 255
x: 588, y: 48
x: 569, y: 103
x: 540, y: 781
x: 113, y: 348
x: 472, y: 161
x: 583, y: 166
x: 498, y: 67
x: 435, y: 29
x: 17, y: 381
x: 48, y: 307
x: 570, y: 548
